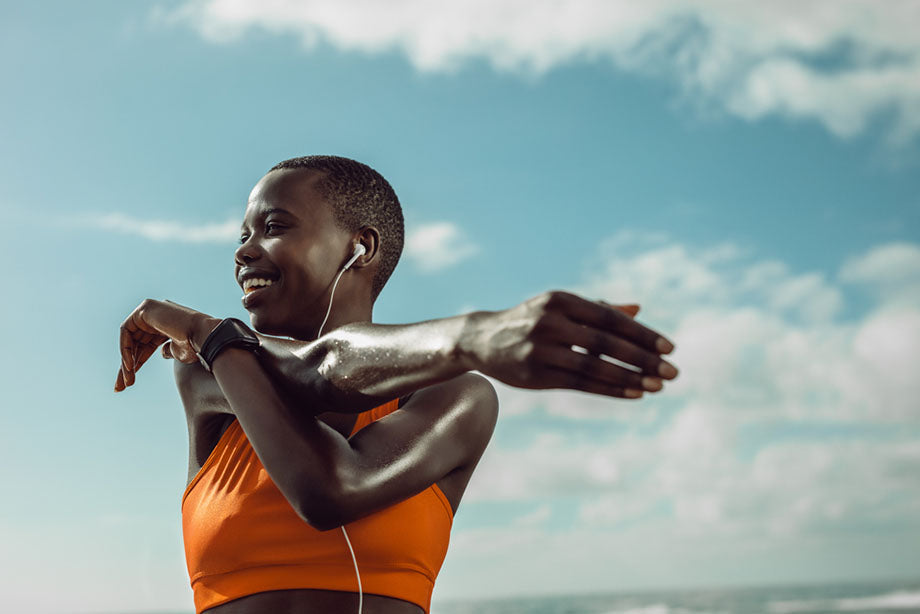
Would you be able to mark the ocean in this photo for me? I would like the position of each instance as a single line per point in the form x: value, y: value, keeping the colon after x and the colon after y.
x: 889, y: 597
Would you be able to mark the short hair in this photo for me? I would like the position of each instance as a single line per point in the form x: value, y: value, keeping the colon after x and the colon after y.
x: 359, y: 197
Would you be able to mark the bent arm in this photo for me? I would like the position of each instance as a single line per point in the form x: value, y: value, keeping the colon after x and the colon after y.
x: 329, y: 480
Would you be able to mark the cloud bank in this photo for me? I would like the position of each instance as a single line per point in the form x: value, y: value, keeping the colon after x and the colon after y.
x: 842, y: 64
x: 791, y: 423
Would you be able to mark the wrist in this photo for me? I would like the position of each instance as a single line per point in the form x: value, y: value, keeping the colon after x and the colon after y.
x: 204, y: 324
x: 464, y: 349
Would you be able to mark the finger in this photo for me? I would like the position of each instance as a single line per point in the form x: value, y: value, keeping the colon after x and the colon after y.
x: 585, y: 384
x: 582, y: 365
x: 166, y: 350
x: 136, y: 322
x: 146, y: 351
x: 134, y: 330
x: 630, y: 309
x: 120, y: 381
x: 598, y: 342
x: 610, y: 320
x: 128, y: 377
x: 126, y: 344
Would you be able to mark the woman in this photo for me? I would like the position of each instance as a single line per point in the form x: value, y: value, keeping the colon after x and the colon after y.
x: 325, y: 469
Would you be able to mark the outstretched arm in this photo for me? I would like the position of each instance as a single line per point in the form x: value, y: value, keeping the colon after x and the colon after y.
x: 361, y: 365
x: 553, y: 340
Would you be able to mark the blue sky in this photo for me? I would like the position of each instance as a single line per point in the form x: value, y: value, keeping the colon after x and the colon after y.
x: 749, y: 174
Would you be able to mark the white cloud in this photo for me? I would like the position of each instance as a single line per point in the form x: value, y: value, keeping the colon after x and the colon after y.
x: 759, y: 347
x: 766, y: 358
x: 614, y: 509
x: 166, y: 230
x: 892, y: 271
x: 436, y: 246
x: 754, y: 336
x: 839, y: 63
x: 534, y: 518
x: 693, y: 478
x: 667, y: 278
x: 552, y: 465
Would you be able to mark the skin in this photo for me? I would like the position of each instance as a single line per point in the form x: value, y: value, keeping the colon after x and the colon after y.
x: 438, y: 436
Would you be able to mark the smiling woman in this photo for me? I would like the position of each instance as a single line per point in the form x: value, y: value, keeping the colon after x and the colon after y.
x: 374, y: 429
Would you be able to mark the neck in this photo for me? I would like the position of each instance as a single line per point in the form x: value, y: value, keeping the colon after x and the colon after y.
x: 346, y: 308
x: 344, y: 313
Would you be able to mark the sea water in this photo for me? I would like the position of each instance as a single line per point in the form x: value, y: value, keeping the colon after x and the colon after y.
x: 889, y: 597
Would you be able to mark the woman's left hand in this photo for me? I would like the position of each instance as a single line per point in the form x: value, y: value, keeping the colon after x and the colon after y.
x: 154, y: 322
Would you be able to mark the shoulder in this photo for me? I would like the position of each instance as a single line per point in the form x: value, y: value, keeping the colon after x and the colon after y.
x: 472, y: 391
x: 198, y: 390
x: 466, y: 406
x: 189, y: 373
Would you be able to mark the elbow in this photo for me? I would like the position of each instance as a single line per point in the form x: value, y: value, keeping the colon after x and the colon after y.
x: 321, y: 513
x: 323, y: 358
x: 321, y: 519
x: 323, y: 508
x: 338, y: 376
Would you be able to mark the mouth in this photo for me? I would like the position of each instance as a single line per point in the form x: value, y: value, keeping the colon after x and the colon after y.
x: 255, y: 291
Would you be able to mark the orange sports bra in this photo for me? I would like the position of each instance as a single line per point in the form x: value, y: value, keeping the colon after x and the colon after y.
x: 243, y: 537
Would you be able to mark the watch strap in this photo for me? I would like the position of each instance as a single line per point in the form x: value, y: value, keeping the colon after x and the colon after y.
x: 230, y: 332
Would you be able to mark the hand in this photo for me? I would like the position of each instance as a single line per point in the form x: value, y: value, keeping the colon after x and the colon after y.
x: 153, y: 323
x: 530, y: 346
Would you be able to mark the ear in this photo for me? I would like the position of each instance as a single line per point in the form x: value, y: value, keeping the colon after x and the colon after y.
x: 369, y: 237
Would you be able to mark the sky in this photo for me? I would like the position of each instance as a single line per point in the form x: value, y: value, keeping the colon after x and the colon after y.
x: 747, y: 172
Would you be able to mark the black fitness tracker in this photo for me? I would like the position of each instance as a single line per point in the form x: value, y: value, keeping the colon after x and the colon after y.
x: 230, y: 332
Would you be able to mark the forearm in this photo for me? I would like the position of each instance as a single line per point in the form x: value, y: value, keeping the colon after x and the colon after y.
x: 280, y: 433
x: 296, y: 376
x: 361, y: 365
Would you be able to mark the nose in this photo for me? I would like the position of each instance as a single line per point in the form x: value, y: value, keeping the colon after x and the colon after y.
x: 247, y: 252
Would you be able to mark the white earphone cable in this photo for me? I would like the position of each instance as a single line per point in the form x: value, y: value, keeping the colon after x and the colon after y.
x: 357, y: 573
x: 354, y: 559
x: 329, y: 310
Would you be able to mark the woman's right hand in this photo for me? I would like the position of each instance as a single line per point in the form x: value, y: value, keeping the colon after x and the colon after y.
x: 530, y: 346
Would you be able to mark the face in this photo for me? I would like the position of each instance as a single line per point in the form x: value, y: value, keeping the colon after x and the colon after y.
x: 289, y: 237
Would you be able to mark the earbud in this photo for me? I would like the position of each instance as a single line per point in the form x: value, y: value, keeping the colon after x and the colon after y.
x: 359, y: 250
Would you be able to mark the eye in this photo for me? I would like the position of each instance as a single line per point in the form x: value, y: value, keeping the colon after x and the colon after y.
x: 268, y: 229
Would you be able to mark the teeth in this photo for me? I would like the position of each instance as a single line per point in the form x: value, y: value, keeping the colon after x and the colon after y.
x: 251, y: 284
